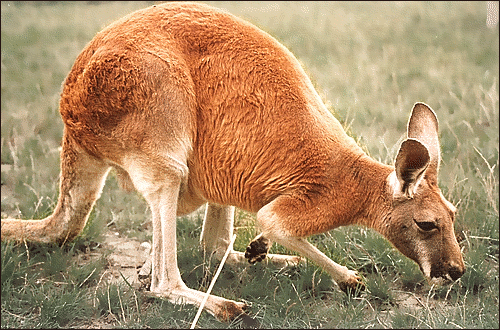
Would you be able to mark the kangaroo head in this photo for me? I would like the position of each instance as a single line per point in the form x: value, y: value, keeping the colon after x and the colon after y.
x: 420, y: 220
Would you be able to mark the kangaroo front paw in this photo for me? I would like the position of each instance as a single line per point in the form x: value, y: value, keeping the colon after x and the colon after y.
x: 257, y: 249
x: 354, y: 285
x: 231, y: 310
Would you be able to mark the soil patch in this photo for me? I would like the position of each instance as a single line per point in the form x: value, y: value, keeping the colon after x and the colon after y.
x: 125, y: 259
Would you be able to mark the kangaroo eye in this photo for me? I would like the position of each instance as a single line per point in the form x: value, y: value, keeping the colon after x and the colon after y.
x: 426, y: 225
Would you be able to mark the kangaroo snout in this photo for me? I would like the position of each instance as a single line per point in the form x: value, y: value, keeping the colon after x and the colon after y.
x: 456, y: 270
x: 451, y: 270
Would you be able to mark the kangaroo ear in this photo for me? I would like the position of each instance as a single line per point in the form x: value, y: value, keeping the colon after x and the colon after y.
x: 423, y: 126
x: 411, y: 162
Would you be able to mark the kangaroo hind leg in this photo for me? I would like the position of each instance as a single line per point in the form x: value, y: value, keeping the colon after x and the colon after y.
x: 81, y: 183
x: 160, y: 186
x: 218, y: 226
x: 217, y: 232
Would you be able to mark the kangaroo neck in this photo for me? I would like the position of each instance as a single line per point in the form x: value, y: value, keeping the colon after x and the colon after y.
x: 358, y: 190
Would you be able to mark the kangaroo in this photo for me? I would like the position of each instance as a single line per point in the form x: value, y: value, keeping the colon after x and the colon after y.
x: 192, y: 105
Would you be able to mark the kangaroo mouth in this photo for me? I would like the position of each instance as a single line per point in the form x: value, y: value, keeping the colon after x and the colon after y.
x: 439, y: 275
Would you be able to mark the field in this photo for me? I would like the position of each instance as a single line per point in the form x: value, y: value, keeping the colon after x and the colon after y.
x: 370, y: 62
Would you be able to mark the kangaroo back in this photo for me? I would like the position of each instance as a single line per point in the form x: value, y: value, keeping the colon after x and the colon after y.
x: 250, y: 122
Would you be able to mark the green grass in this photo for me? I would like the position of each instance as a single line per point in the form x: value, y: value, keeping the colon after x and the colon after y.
x: 370, y: 61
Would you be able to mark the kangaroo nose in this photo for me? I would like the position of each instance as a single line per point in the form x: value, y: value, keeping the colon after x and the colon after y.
x: 456, y: 272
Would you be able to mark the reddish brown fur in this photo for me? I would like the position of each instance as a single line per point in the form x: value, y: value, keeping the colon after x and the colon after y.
x: 182, y: 96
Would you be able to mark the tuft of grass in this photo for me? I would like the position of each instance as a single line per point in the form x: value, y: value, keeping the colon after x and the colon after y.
x: 61, y: 308
x: 380, y: 288
x: 41, y: 287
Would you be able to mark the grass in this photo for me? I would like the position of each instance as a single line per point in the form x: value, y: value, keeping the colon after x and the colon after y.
x: 370, y: 61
